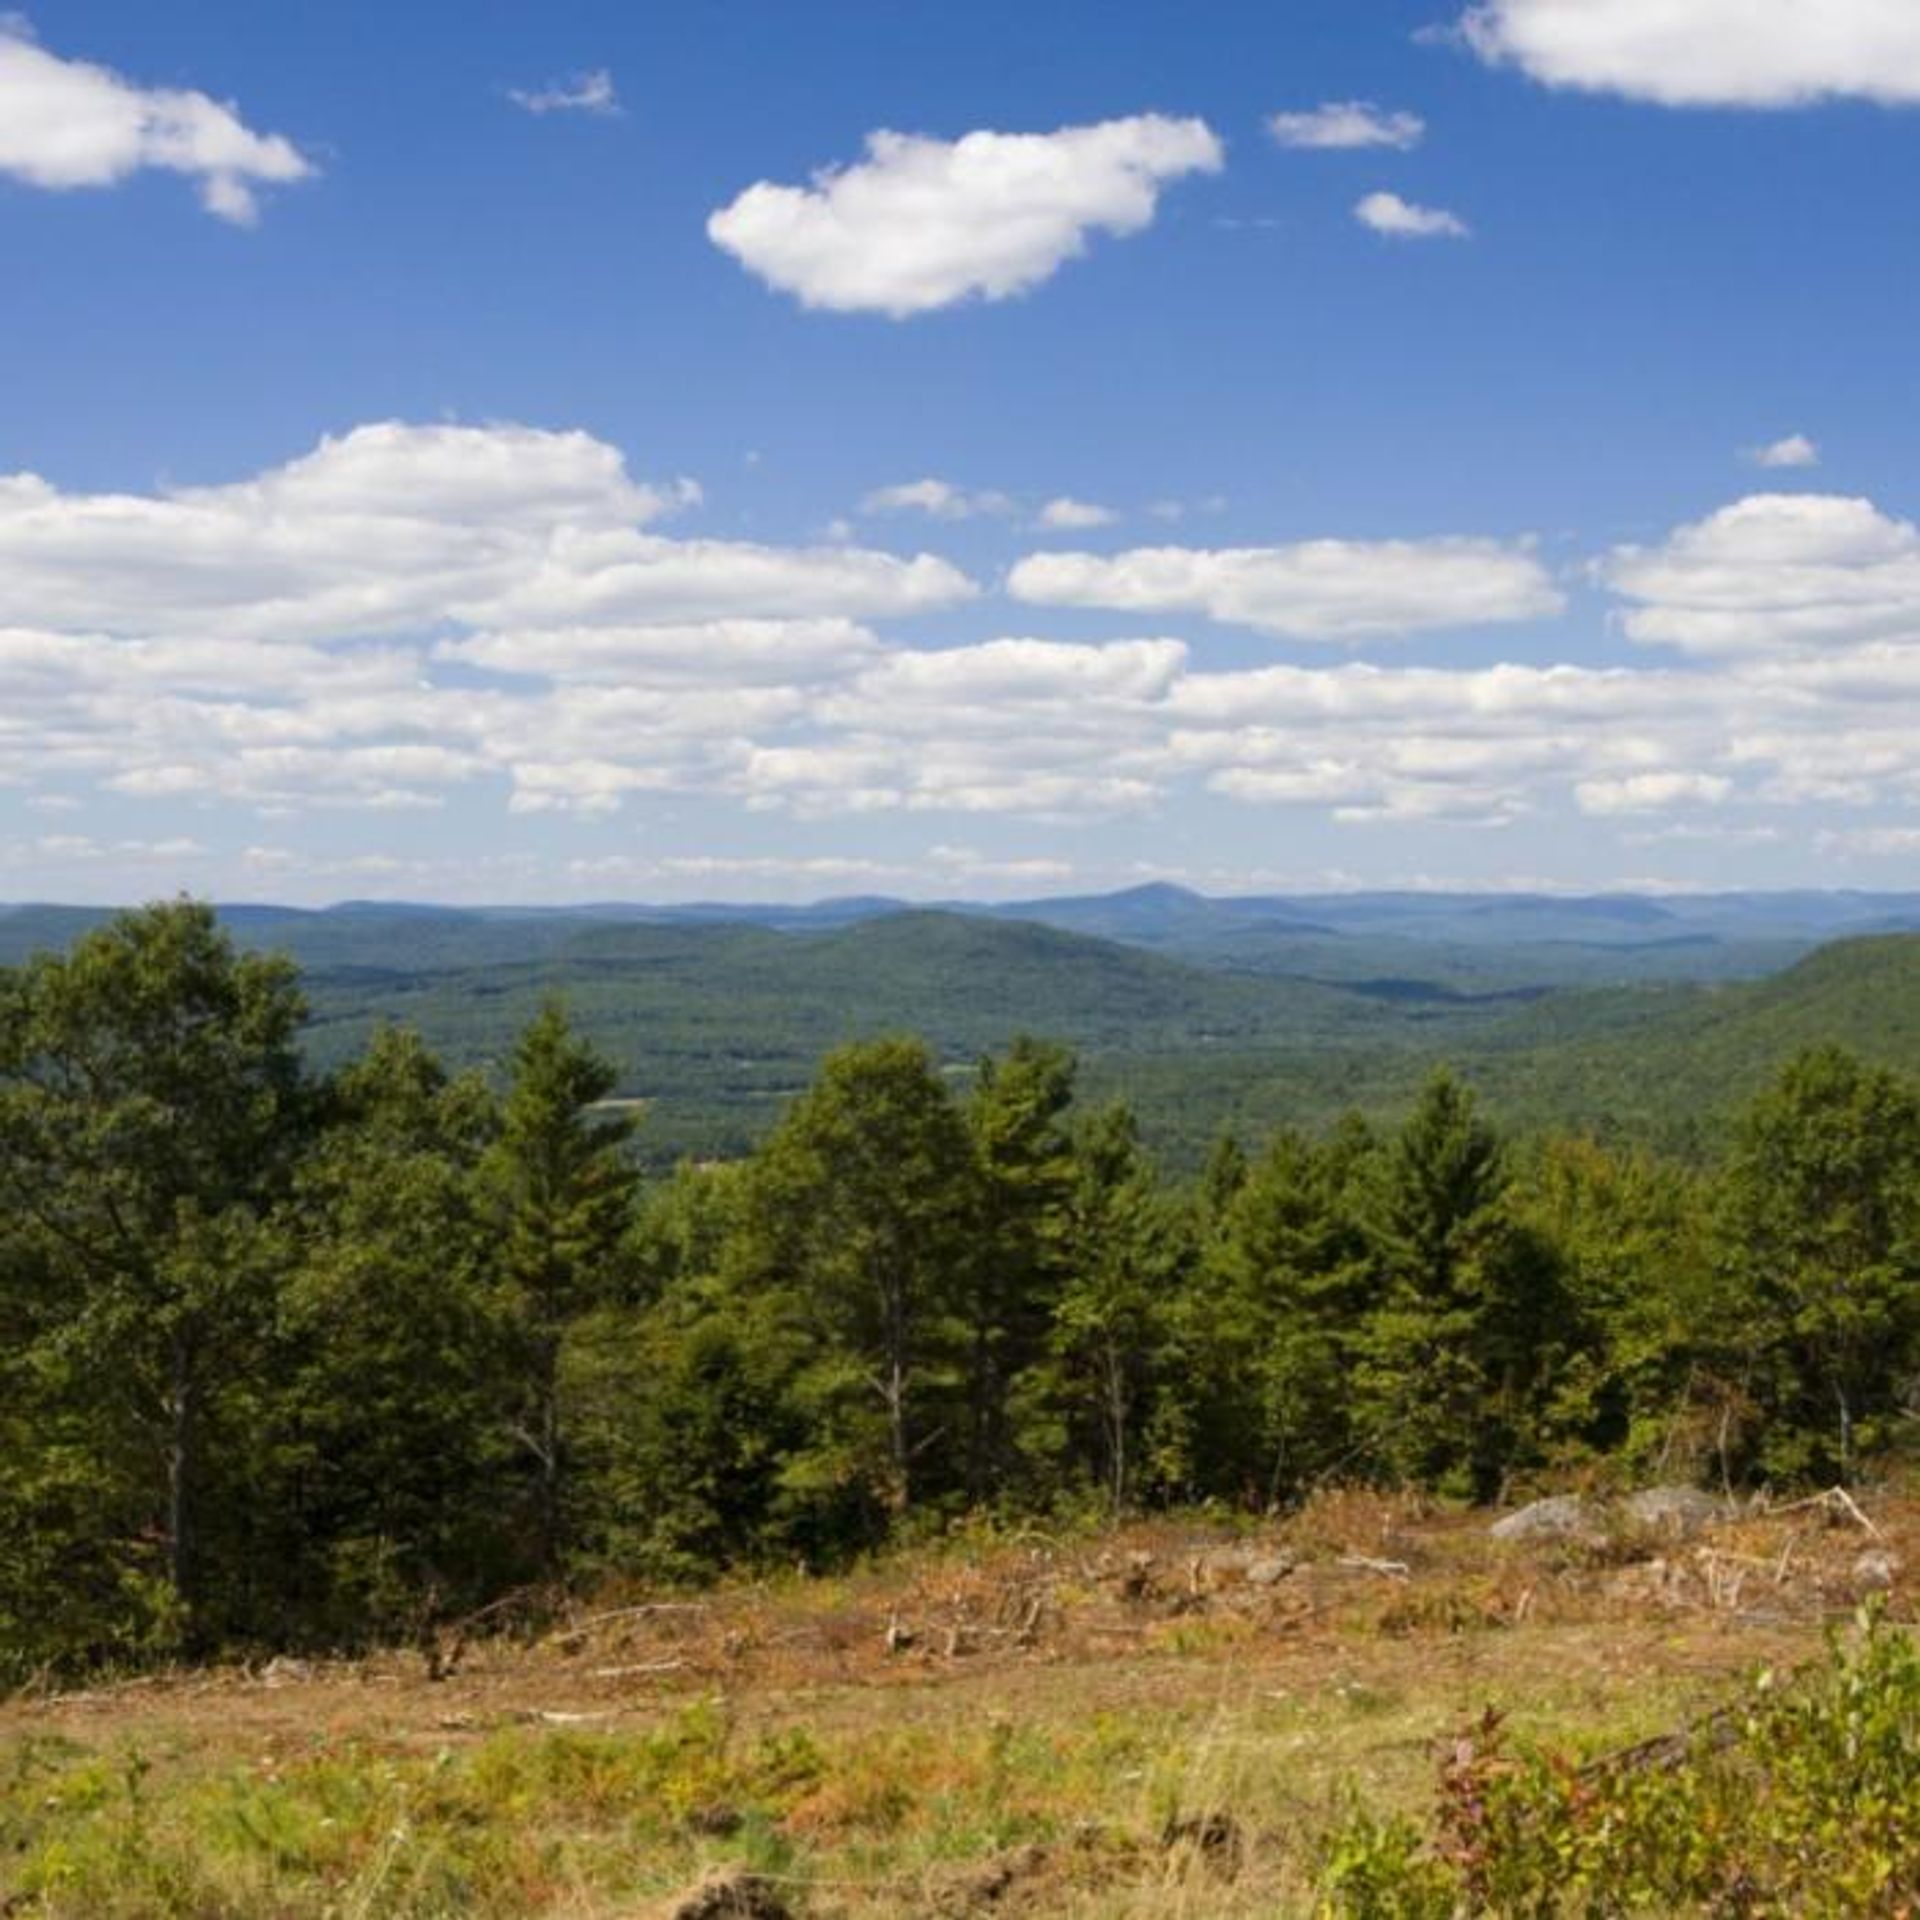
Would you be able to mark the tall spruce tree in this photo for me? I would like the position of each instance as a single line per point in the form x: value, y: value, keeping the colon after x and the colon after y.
x: 558, y: 1190
x: 1017, y: 1118
x: 1451, y: 1343
x: 1114, y: 1326
x: 1276, y: 1308
x: 865, y: 1214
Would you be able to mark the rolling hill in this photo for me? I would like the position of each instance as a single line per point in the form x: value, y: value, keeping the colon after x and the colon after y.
x: 1204, y: 1013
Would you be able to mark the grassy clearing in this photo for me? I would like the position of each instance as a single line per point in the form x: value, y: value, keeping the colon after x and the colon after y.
x: 1159, y: 1721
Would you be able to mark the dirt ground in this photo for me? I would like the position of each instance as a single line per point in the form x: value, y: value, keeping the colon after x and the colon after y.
x: 1137, y: 1686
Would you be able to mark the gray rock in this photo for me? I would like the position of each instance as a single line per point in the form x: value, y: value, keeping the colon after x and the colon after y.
x: 1876, y: 1569
x: 1271, y: 1568
x: 1218, y: 1567
x: 1563, y: 1517
x: 1674, y: 1512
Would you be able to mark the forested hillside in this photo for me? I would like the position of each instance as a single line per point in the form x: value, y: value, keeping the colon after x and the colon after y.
x: 297, y: 1356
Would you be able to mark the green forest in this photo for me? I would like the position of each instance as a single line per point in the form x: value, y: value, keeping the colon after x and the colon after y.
x: 308, y: 1355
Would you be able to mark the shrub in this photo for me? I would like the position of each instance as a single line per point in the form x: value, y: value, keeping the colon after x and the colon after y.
x: 1803, y: 1798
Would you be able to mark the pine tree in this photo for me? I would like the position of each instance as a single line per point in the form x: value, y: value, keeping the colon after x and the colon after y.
x: 866, y: 1215
x: 1449, y: 1350
x: 558, y: 1191
x: 1113, y: 1327
x: 1017, y: 1119
x: 382, y: 1459
x: 152, y: 1104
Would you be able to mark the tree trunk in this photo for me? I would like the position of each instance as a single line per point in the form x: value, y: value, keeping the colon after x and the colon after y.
x: 547, y: 1450
x: 1117, y: 1426
x: 894, y: 1391
x: 900, y: 1493
x: 182, y: 1447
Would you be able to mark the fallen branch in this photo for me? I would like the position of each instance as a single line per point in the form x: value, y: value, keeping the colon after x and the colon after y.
x: 1365, y: 1563
x: 1836, y: 1500
x: 1665, y: 1751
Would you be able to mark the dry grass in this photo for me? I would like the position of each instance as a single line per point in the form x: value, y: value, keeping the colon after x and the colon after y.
x: 1163, y: 1720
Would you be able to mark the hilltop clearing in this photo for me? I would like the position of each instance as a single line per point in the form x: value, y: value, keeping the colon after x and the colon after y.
x: 1162, y: 1719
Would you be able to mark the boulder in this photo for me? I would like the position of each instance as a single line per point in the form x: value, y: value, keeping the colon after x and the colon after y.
x: 1675, y: 1513
x: 1563, y: 1517
x: 1271, y: 1568
x: 1218, y: 1567
x: 1876, y: 1570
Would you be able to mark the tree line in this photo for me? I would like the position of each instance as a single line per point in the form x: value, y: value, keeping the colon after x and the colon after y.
x: 290, y: 1358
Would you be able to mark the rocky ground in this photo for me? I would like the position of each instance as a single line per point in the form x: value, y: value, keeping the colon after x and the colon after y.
x: 1163, y: 1718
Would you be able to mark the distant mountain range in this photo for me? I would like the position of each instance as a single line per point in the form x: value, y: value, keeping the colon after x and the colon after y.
x: 1157, y: 914
x: 1627, y: 1013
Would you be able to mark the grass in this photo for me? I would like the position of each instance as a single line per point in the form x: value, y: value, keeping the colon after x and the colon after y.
x: 1113, y: 1726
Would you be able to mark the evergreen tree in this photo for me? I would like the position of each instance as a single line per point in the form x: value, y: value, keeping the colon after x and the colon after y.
x: 1017, y: 1118
x: 1277, y: 1305
x: 866, y: 1215
x: 152, y: 1105
x: 1113, y: 1327
x: 383, y: 1457
x: 557, y: 1191
x: 1450, y: 1349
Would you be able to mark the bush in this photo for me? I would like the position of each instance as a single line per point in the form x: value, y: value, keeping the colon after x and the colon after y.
x: 1803, y: 1799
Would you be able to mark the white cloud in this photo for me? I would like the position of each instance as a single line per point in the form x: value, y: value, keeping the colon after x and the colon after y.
x: 591, y: 92
x: 1773, y: 574
x: 1722, y: 53
x: 995, y: 680
x: 1348, y: 124
x: 297, y: 639
x: 733, y: 652
x: 938, y: 499
x: 394, y: 525
x: 1796, y: 450
x: 1886, y: 843
x: 68, y: 124
x: 1398, y: 219
x: 1317, y: 590
x: 922, y: 223
x: 1651, y: 792
x: 408, y: 617
x: 1067, y: 515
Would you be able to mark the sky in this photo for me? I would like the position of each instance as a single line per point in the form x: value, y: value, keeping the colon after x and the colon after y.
x: 497, y: 453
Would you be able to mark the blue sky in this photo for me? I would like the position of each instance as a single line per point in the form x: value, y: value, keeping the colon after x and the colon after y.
x: 506, y: 453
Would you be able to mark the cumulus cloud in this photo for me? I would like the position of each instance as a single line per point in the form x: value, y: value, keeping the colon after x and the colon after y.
x: 1068, y: 515
x: 286, y: 640
x: 1796, y: 450
x: 1346, y: 124
x: 1709, y: 53
x: 735, y: 652
x: 1398, y: 219
x: 1773, y: 574
x: 406, y: 617
x: 1344, y: 590
x: 922, y: 223
x: 938, y: 499
x: 68, y: 124
x: 591, y: 92
x: 394, y: 524
x: 1651, y: 792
